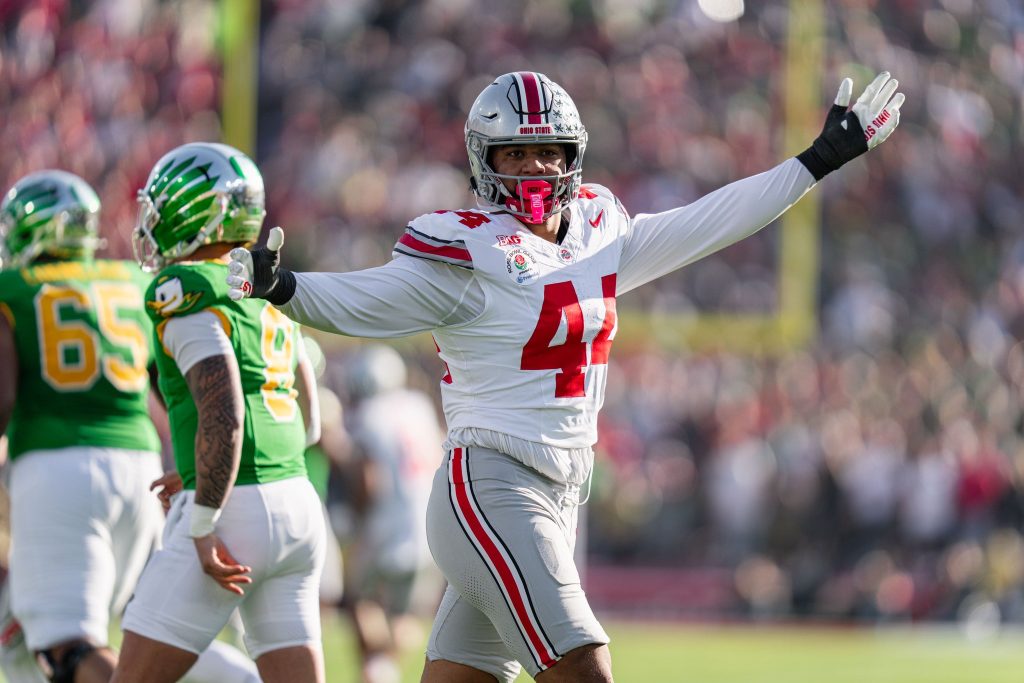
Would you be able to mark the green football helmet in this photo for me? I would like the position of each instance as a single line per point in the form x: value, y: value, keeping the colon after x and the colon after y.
x: 53, y: 213
x: 197, y: 194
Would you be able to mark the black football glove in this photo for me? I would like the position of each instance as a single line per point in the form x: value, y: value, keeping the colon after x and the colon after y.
x: 848, y: 133
x: 257, y: 272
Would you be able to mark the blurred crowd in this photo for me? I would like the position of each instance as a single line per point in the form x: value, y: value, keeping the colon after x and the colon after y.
x: 876, y: 473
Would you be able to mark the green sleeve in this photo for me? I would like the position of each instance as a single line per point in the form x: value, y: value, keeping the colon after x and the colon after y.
x: 182, y: 290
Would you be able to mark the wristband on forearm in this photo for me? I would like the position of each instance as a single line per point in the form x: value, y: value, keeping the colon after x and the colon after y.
x: 202, y: 521
x: 283, y: 289
x: 841, y: 141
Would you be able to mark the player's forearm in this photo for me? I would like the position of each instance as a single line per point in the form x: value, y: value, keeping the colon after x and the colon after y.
x: 662, y: 242
x: 309, y: 401
x: 378, y: 303
x: 216, y: 390
x: 154, y: 385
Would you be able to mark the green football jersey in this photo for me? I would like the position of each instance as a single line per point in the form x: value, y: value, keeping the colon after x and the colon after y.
x: 83, y: 342
x: 266, y: 344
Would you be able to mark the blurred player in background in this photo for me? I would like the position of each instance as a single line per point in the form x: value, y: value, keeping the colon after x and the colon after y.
x: 74, y: 357
x: 227, y: 373
x: 393, y: 580
x: 321, y: 411
x: 520, y: 296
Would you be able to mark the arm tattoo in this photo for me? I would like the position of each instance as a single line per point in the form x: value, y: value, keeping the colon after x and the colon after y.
x: 217, y: 391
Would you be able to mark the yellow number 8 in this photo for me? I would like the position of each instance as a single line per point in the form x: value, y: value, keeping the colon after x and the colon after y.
x: 277, y: 346
x: 71, y: 349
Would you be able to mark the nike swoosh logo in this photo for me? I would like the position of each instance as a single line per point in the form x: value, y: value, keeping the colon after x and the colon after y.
x: 596, y: 221
x: 490, y: 117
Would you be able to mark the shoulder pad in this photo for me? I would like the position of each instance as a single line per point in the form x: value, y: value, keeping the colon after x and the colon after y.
x: 183, y: 290
x: 592, y: 191
x: 441, y: 236
x: 602, y: 194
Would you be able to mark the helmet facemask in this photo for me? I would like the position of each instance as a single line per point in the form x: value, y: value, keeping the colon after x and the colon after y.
x: 533, y: 198
x: 518, y: 109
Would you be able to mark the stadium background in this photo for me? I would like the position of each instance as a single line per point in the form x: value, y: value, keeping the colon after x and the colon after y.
x: 820, y: 425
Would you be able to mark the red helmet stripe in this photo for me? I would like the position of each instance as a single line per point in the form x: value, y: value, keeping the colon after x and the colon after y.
x: 534, y: 97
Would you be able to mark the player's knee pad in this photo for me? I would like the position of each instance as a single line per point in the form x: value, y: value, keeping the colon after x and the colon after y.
x: 62, y: 669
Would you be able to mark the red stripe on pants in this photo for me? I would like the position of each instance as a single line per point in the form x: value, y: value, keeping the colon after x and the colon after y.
x: 495, y: 558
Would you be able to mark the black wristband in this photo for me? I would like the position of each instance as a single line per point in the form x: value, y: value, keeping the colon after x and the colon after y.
x: 814, y: 163
x: 283, y: 289
x: 841, y: 140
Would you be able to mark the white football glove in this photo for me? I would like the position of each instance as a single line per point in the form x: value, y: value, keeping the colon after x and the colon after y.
x: 257, y: 273
x: 848, y: 133
x: 877, y: 108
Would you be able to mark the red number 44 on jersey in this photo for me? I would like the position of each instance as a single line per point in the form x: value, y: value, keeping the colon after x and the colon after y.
x: 570, y: 357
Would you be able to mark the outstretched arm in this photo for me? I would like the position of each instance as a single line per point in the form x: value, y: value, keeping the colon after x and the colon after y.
x: 660, y: 243
x: 406, y: 296
x: 663, y: 242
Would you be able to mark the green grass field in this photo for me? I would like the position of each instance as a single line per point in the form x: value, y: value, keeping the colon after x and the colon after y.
x: 664, y: 653
x: 657, y: 653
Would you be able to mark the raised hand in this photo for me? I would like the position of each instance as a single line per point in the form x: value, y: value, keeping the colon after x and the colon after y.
x: 878, y: 108
x: 257, y: 272
x: 849, y: 132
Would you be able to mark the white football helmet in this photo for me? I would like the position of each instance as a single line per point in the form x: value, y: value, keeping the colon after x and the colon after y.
x: 524, y: 107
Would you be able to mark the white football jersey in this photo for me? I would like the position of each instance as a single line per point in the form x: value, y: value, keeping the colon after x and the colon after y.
x: 534, y: 364
x: 524, y: 326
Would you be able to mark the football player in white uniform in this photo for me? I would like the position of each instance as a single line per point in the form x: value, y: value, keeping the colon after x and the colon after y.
x: 394, y: 579
x: 520, y: 297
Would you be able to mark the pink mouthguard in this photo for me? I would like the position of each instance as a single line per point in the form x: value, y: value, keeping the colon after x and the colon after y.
x: 536, y: 191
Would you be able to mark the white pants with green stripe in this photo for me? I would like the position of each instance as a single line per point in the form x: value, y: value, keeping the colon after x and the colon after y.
x: 503, y: 536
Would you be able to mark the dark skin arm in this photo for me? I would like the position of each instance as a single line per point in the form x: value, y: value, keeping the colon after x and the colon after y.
x: 217, y: 391
x: 154, y: 385
x: 309, y: 404
x: 8, y: 372
x: 216, y: 388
